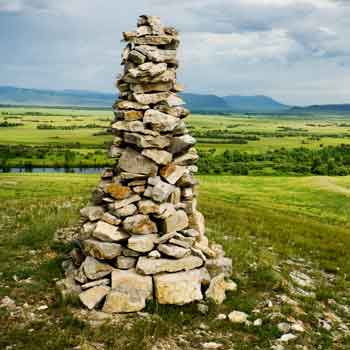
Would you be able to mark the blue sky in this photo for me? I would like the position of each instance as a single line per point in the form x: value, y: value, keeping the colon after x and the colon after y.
x: 296, y: 51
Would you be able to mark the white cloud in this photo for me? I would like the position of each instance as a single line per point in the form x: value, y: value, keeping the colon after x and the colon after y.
x: 296, y: 50
x: 10, y: 6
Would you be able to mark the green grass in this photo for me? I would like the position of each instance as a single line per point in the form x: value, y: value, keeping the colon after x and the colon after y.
x: 28, y: 134
x: 261, y: 222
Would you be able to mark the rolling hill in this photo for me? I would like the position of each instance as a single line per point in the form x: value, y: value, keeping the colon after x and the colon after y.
x: 333, y: 108
x: 10, y: 95
x: 260, y: 104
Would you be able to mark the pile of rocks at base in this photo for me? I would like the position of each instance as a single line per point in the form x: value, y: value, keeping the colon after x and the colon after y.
x: 142, y: 237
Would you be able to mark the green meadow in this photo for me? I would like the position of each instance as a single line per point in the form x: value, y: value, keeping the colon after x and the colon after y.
x: 270, y: 226
x: 266, y: 225
x: 68, y: 138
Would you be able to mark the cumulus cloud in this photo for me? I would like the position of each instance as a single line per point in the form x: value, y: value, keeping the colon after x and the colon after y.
x: 295, y: 50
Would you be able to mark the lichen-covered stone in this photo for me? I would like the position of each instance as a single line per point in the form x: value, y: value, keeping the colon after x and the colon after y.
x: 118, y: 191
x: 139, y: 224
x: 101, y: 250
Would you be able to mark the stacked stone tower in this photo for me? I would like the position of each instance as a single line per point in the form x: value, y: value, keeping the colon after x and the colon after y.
x: 143, y: 237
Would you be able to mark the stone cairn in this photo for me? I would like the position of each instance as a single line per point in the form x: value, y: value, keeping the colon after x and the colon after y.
x: 142, y: 238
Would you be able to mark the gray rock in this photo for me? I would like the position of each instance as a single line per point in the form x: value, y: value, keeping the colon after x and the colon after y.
x: 154, y: 254
x: 172, y: 173
x: 144, y: 30
x: 187, y: 180
x: 108, y: 233
x: 102, y: 282
x: 165, y: 210
x: 154, y: 22
x: 68, y: 287
x: 148, y: 207
x: 128, y: 210
x: 160, y: 121
x: 151, y: 87
x: 87, y: 230
x: 101, y: 250
x: 148, y: 99
x: 188, y: 158
x: 92, y: 213
x: 175, y: 197
x: 130, y: 252
x: 196, y: 222
x: 154, y: 40
x: 142, y: 244
x: 121, y: 300
x: 110, y: 219
x: 131, y: 105
x: 166, y: 237
x: 157, y: 55
x: 146, y: 71
x: 178, y: 288
x: 218, y: 287
x: 123, y: 203
x: 126, y: 262
x: 219, y: 265
x: 93, y: 269
x: 174, y: 101
x: 148, y: 266
x: 238, y: 317
x: 173, y: 250
x: 140, y: 225
x: 178, y: 112
x: 115, y: 151
x: 161, y: 191
x: 146, y: 141
x: 136, y: 57
x: 190, y: 233
x: 132, y: 280
x: 181, y: 243
x: 133, y: 162
x: 134, y: 126
x: 93, y: 296
x: 176, y: 222
x: 158, y: 156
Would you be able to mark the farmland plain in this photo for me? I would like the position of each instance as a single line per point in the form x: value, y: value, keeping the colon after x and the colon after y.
x: 49, y: 137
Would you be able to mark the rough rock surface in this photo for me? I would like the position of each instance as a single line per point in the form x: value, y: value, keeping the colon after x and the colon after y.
x: 142, y: 227
x: 178, y: 288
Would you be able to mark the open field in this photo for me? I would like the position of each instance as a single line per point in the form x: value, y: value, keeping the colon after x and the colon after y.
x: 269, y: 226
x: 48, y: 137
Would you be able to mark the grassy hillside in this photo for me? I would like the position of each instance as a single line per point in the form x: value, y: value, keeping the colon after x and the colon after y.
x: 269, y: 226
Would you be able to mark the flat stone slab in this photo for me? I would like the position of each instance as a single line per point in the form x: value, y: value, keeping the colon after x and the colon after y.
x: 131, y: 280
x: 102, y: 250
x: 122, y: 300
x: 148, y: 266
x: 93, y: 296
x: 94, y: 269
x: 132, y: 161
x: 178, y: 288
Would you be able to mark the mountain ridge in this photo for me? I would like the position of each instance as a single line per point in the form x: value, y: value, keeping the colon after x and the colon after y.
x: 198, y: 103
